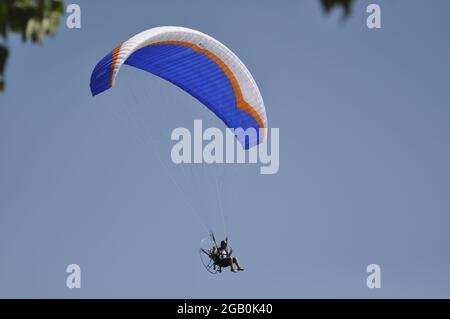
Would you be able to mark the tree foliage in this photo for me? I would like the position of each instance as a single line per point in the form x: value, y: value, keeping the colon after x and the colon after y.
x: 32, y: 19
x: 328, y: 5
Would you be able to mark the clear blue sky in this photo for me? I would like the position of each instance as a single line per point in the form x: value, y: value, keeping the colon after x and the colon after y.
x: 364, y: 175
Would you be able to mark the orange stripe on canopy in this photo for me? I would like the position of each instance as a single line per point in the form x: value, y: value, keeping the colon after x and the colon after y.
x: 115, y: 54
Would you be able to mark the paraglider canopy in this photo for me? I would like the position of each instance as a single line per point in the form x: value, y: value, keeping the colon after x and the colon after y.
x: 198, y: 64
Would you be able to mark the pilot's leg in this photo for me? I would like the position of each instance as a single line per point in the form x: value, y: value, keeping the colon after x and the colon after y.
x: 230, y: 262
x: 236, y: 262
